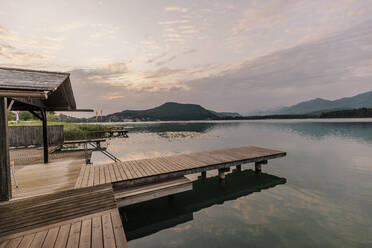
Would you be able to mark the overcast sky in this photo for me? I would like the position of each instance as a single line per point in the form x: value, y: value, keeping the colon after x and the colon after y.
x: 225, y: 55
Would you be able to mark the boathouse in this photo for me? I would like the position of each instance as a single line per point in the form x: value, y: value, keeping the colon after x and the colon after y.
x: 36, y: 92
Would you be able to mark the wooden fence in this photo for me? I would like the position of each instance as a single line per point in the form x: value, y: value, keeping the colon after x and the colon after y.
x: 33, y: 135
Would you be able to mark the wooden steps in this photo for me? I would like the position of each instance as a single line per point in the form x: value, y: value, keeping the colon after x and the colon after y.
x: 25, y: 214
x: 133, y: 195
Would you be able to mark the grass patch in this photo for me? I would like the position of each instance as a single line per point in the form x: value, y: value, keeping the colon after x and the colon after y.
x: 72, y: 131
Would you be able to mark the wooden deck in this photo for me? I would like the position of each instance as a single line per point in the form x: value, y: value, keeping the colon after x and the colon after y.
x: 83, y: 212
x: 23, y: 156
x: 130, y: 173
x: 37, y: 179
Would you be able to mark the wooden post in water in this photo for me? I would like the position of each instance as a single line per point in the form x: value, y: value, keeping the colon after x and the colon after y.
x: 5, y: 183
x: 221, y: 172
x: 258, y: 165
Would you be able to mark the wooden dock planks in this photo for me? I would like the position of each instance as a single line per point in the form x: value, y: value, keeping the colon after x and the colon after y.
x: 101, y: 229
x: 146, y: 169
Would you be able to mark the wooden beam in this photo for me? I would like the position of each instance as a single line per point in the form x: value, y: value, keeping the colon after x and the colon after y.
x: 10, y: 105
x: 36, y: 115
x: 5, y: 183
x: 45, y: 136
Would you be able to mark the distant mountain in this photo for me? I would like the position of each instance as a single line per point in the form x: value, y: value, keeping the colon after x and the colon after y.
x: 226, y: 114
x: 318, y: 105
x: 170, y: 111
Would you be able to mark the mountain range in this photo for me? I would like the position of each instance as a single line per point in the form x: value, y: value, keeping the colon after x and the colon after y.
x: 319, y: 105
x: 170, y: 111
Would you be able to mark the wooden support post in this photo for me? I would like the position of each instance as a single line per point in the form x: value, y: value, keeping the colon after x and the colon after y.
x: 239, y: 167
x: 5, y: 179
x: 45, y: 136
x: 221, y: 172
x: 258, y: 165
x: 204, y: 174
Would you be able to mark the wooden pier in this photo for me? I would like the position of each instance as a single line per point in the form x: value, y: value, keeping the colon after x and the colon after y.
x: 112, y: 132
x: 78, y: 142
x: 131, y: 173
x: 86, y: 213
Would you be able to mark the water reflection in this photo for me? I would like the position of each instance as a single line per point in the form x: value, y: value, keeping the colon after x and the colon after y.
x: 140, y: 220
x: 359, y: 130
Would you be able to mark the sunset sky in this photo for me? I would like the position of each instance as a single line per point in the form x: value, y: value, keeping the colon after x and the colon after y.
x: 225, y: 55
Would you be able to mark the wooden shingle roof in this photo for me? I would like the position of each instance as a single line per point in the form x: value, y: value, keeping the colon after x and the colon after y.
x: 11, y: 78
x: 54, y: 87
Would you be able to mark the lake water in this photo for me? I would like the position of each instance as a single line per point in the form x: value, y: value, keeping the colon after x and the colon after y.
x: 320, y: 195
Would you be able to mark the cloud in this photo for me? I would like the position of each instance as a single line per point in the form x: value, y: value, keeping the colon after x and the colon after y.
x: 174, y: 22
x: 3, y: 31
x: 104, y: 74
x: 154, y: 59
x: 170, y: 59
x: 267, y: 26
x: 190, y: 51
x: 316, y: 69
x: 163, y: 62
x: 175, y: 9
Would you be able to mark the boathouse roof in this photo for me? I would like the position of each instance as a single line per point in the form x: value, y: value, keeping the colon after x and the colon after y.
x: 31, y: 89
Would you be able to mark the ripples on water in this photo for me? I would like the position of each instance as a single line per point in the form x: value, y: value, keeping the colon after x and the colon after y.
x: 320, y: 195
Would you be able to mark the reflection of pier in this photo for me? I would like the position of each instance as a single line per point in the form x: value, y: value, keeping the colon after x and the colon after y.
x: 140, y: 220
x: 112, y: 133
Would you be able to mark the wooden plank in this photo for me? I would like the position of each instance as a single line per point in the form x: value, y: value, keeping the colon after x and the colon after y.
x: 14, y: 242
x: 84, y: 182
x: 96, y: 176
x: 73, y: 239
x: 135, y: 169
x: 112, y: 173
x: 107, y: 174
x: 140, y: 168
x: 159, y: 164
x: 91, y: 176
x: 39, y: 239
x: 120, y: 239
x: 187, y: 161
x: 97, y: 232
x: 156, y: 167
x: 175, y: 161
x: 51, y: 237
x: 80, y: 177
x: 166, y: 162
x: 133, y: 195
x: 108, y: 233
x: 130, y: 168
x: 126, y: 170
x: 122, y: 172
x: 117, y: 172
x: 102, y: 178
x: 3, y: 244
x: 86, y: 234
x: 152, y: 168
x: 62, y: 237
x: 26, y: 241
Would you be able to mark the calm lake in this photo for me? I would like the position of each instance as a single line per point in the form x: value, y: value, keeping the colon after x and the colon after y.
x: 320, y: 195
